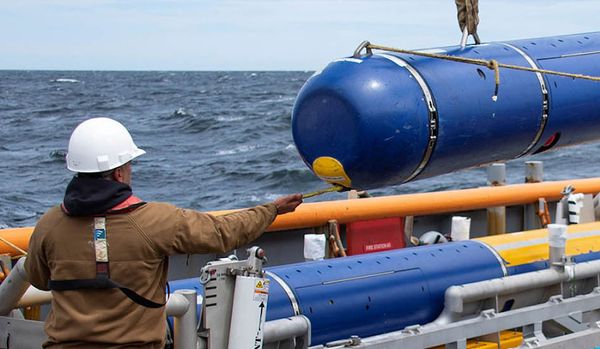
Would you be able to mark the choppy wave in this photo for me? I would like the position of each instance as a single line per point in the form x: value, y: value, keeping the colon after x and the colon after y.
x: 236, y: 150
x: 229, y: 118
x: 182, y: 113
x: 58, y: 155
x: 52, y: 111
x: 184, y: 120
x: 72, y: 81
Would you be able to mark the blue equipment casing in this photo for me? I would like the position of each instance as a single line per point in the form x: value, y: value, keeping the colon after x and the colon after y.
x: 380, y: 292
x: 389, y: 118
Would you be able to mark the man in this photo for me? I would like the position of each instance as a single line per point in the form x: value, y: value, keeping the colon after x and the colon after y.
x: 104, y: 252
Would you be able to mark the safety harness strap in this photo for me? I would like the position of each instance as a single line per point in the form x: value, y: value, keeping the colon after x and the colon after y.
x: 101, y: 283
x: 102, y: 279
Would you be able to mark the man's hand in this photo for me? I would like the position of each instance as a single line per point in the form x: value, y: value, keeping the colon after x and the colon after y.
x: 287, y: 203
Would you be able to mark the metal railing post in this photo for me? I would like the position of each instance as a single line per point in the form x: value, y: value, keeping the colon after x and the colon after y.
x: 496, y: 216
x: 182, y: 305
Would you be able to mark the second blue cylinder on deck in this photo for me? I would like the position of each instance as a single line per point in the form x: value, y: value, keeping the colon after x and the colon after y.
x: 377, y: 293
x: 385, y: 118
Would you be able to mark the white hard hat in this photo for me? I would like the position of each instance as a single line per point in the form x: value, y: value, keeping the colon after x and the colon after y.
x: 100, y: 144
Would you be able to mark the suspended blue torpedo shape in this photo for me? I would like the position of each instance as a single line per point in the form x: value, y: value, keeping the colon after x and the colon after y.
x: 386, y: 118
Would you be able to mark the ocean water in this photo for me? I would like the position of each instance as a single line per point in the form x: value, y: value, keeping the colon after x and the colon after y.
x: 214, y: 140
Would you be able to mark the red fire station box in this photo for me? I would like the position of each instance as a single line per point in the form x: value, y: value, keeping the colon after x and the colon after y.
x: 374, y: 235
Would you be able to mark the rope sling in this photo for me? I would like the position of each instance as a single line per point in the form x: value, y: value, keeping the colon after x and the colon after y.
x: 492, y: 64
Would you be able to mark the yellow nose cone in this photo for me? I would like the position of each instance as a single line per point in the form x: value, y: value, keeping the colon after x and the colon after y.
x: 331, y: 170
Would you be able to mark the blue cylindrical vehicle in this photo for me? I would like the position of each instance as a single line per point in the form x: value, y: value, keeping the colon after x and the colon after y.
x: 385, y: 118
x: 377, y: 293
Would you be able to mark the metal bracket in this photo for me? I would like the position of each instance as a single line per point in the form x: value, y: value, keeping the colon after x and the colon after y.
x: 545, y: 100
x: 255, y: 261
x: 432, y: 113
x: 288, y: 291
x: 345, y: 343
x: 531, y: 342
x: 465, y: 36
x: 412, y: 330
x: 556, y: 299
x: 363, y: 45
x: 488, y: 314
x: 567, y: 190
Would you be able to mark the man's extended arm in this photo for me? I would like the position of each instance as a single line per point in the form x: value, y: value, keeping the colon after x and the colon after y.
x: 197, y: 232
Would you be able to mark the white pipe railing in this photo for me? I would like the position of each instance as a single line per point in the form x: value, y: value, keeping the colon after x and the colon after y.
x: 34, y: 296
x: 457, y: 296
x: 13, y: 288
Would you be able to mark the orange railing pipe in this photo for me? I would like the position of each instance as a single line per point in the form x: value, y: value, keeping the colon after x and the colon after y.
x: 344, y: 211
x: 18, y: 237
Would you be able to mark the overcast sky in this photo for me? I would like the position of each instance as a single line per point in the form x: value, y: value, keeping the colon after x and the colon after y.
x: 254, y: 34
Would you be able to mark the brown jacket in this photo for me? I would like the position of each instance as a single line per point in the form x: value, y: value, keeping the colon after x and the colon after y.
x: 61, y: 248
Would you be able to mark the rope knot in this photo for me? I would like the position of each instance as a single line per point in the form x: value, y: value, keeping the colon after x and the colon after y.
x: 492, y: 64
